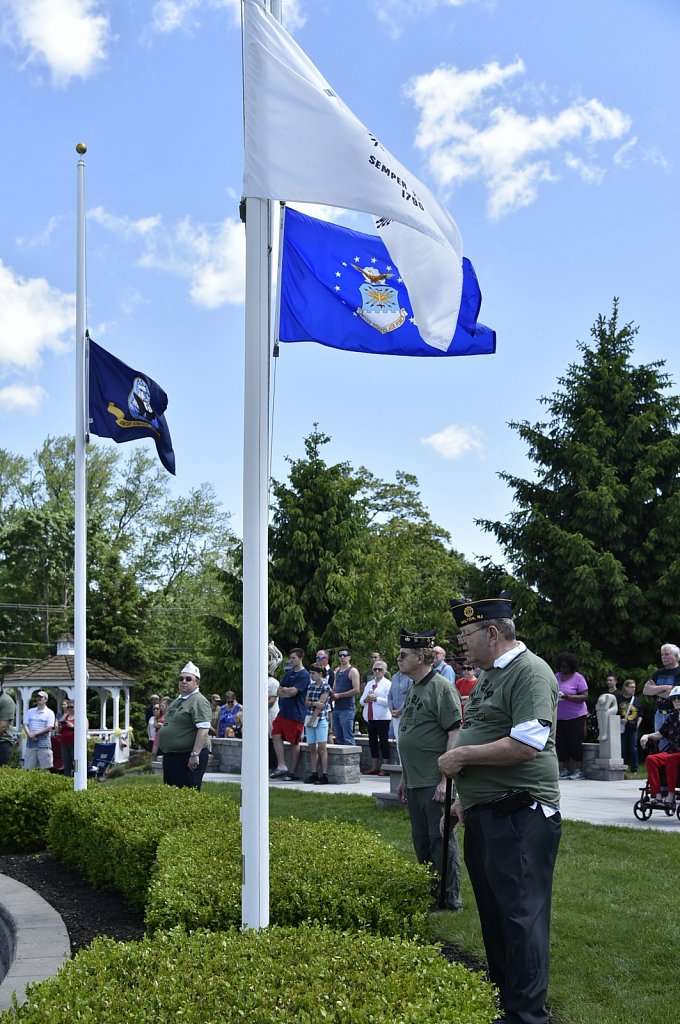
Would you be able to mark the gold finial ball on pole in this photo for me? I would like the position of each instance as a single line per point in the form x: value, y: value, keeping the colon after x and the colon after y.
x: 81, y: 148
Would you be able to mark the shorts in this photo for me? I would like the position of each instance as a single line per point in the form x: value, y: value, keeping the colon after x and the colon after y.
x: 38, y: 757
x: 289, y: 728
x: 317, y: 733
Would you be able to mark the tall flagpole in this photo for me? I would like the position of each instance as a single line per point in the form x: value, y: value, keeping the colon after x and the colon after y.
x: 254, y: 768
x: 80, y: 586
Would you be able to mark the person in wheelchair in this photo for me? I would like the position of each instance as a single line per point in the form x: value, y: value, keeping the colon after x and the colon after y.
x: 666, y: 763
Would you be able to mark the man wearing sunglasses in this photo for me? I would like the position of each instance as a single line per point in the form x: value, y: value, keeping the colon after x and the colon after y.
x: 182, y: 740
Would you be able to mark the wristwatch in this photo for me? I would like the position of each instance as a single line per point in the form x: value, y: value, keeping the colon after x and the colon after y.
x: 194, y: 753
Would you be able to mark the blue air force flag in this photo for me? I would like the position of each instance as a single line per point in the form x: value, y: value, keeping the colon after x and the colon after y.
x: 340, y: 288
x: 126, y: 404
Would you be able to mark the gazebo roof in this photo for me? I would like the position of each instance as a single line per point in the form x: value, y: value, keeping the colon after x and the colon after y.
x: 59, y: 669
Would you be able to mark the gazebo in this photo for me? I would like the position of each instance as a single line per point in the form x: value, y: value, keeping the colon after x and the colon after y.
x: 55, y: 674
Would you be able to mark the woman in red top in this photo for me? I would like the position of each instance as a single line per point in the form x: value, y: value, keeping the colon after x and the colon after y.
x: 66, y: 728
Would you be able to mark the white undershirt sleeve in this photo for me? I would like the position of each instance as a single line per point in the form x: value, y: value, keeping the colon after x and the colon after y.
x: 534, y: 733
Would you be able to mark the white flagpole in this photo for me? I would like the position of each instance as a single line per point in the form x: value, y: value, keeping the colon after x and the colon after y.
x: 254, y: 768
x: 80, y: 588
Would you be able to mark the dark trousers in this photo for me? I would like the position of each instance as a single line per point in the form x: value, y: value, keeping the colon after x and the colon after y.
x: 426, y: 814
x: 379, y: 740
x: 5, y: 753
x: 67, y: 760
x: 176, y: 770
x: 510, y: 862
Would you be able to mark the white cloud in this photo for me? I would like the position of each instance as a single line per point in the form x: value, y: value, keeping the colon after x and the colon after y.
x: 470, y: 129
x: 170, y: 15
x: 33, y: 316
x: 211, y: 258
x: 43, y: 238
x: 631, y: 152
x: 394, y: 12
x: 124, y: 227
x: 624, y: 155
x: 69, y: 36
x: 455, y: 441
x: 590, y: 173
x: 22, y: 398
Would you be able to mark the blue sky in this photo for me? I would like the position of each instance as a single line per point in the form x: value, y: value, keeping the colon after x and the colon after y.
x: 548, y: 130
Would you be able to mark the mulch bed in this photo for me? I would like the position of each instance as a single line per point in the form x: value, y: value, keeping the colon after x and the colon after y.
x: 86, y: 912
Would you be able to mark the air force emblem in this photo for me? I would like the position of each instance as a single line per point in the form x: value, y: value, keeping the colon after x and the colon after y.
x: 380, y: 302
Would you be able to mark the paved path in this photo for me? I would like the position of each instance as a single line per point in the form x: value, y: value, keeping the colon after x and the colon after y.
x: 601, y: 803
x: 34, y: 939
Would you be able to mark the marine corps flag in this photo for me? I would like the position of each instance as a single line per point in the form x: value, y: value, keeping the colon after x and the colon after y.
x: 126, y: 404
x: 340, y: 288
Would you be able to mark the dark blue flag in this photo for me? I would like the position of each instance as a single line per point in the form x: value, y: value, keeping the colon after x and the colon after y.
x: 126, y: 404
x: 340, y: 288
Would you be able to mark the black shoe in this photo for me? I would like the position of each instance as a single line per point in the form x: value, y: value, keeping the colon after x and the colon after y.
x: 451, y: 908
x: 312, y: 778
x: 290, y: 777
x: 322, y: 780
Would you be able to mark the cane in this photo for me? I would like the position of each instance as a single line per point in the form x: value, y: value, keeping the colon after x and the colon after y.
x: 445, y: 845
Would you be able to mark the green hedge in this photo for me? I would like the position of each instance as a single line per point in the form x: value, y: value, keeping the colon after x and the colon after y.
x: 279, y: 975
x: 110, y: 834
x: 26, y: 800
x: 328, y: 872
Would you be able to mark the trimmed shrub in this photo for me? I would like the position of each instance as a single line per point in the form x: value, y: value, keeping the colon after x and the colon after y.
x: 26, y: 800
x: 110, y: 834
x: 327, y: 872
x: 281, y: 974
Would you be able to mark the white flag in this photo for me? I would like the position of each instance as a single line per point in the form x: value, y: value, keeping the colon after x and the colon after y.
x: 303, y: 144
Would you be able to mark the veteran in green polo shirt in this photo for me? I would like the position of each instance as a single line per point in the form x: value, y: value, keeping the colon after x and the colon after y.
x: 428, y: 725
x: 505, y: 766
x: 183, y: 736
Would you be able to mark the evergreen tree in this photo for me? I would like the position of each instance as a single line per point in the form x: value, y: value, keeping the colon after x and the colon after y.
x: 594, y: 542
x: 319, y: 531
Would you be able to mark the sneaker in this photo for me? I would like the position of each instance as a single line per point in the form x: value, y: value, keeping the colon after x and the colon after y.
x: 278, y: 773
x: 322, y: 780
x: 312, y: 778
x: 578, y: 774
x: 564, y: 774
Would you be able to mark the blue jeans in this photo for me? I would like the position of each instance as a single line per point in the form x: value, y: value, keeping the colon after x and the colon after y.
x: 343, y: 726
x: 629, y: 746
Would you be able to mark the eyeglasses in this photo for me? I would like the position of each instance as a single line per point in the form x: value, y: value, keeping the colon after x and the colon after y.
x: 321, y: 657
x: 343, y: 654
x: 186, y: 679
x: 404, y: 654
x: 462, y: 637
x: 378, y: 669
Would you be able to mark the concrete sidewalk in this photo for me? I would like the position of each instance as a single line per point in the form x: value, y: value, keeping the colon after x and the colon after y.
x: 600, y: 803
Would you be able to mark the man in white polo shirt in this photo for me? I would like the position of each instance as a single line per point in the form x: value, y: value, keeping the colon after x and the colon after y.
x: 38, y: 727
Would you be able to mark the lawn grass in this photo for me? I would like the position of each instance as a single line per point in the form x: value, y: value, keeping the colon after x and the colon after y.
x: 615, y: 932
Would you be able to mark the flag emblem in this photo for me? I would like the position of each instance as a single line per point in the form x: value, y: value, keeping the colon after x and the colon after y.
x: 380, y: 302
